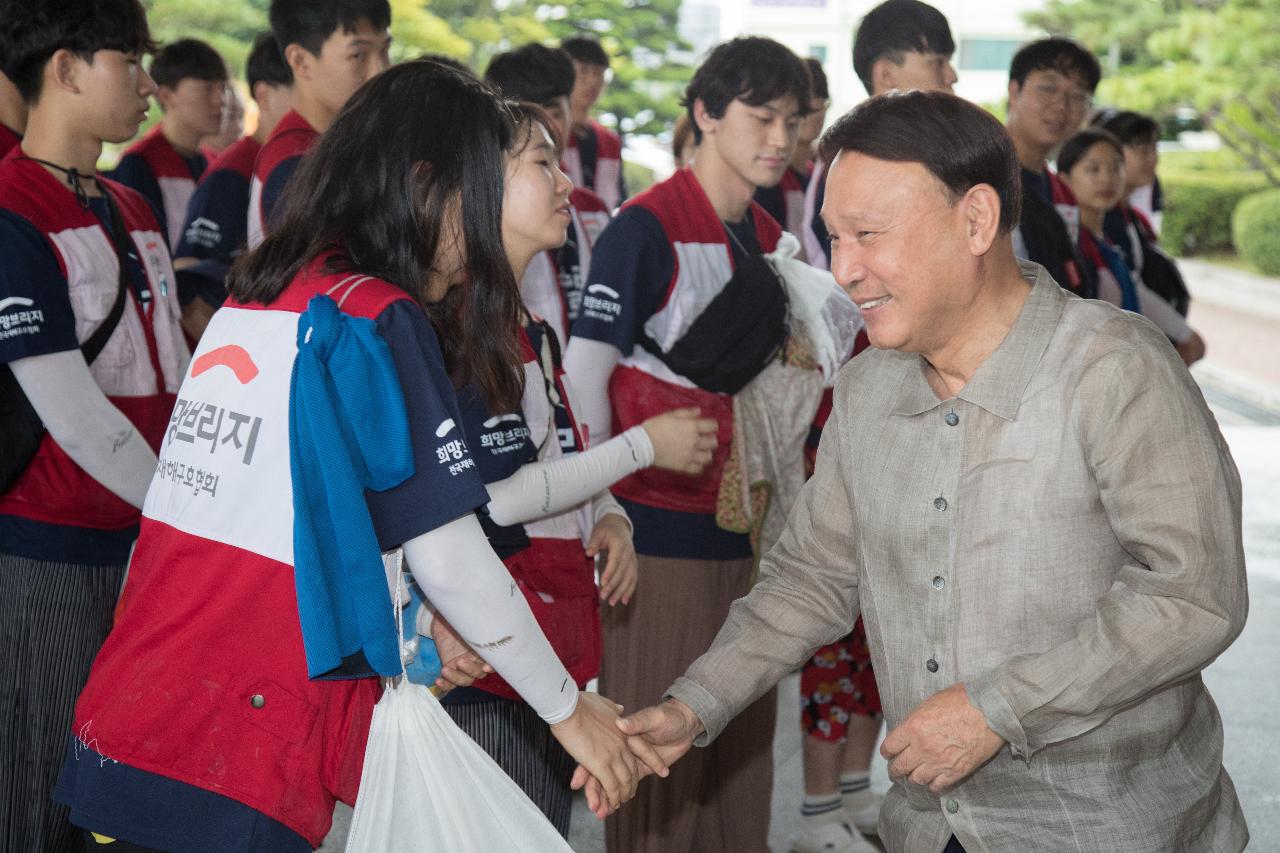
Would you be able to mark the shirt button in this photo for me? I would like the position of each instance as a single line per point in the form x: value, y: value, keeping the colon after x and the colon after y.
x: 952, y: 419
x: 940, y: 504
x: 952, y: 807
x: 931, y: 665
x: 257, y: 700
x: 938, y: 582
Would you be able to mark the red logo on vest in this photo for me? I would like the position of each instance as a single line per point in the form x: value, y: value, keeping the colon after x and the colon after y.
x: 236, y: 358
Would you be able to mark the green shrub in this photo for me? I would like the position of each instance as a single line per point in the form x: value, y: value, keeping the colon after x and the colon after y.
x: 637, y: 177
x: 1198, y: 207
x: 1255, y: 227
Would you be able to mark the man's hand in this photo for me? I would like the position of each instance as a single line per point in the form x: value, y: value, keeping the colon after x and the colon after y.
x: 459, y: 665
x: 592, y: 737
x: 941, y: 742
x: 612, y: 535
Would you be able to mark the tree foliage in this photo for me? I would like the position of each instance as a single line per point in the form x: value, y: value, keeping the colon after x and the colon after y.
x: 1220, y: 58
x: 640, y: 36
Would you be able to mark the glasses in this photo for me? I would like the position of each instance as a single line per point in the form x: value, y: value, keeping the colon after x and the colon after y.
x: 1052, y: 93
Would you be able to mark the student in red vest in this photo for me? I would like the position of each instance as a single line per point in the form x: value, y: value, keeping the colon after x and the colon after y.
x: 13, y: 115
x: 166, y: 162
x: 230, y: 706
x: 785, y: 201
x: 552, y: 284
x: 550, y: 513
x: 593, y: 158
x: 662, y: 326
x: 332, y: 47
x: 214, y: 233
x: 97, y: 351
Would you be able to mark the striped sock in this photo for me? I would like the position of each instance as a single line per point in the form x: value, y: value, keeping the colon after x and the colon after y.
x: 822, y: 808
x: 855, y: 789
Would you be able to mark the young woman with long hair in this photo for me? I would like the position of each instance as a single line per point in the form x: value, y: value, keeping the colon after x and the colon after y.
x: 317, y: 427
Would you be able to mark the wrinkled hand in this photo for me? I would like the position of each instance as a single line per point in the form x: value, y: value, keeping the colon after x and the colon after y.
x: 612, y: 536
x: 459, y: 665
x: 658, y: 736
x: 941, y: 742
x: 682, y: 441
x: 592, y: 737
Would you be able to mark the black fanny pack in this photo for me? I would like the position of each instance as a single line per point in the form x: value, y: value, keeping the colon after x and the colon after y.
x: 737, y: 334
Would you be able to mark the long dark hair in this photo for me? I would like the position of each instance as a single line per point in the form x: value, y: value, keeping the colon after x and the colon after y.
x: 416, y: 142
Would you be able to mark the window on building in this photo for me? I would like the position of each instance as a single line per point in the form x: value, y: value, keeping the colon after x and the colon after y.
x: 987, y: 54
x: 818, y: 52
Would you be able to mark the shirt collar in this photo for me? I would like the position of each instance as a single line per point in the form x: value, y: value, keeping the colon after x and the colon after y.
x: 999, y: 383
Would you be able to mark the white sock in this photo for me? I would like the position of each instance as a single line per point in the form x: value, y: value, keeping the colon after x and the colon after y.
x: 855, y: 790
x: 818, y: 809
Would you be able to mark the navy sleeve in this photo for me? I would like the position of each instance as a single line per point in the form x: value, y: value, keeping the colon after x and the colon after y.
x: 35, y: 311
x: 631, y: 266
x: 274, y: 186
x: 446, y: 482
x: 500, y: 444
x: 216, y: 222
x: 133, y: 172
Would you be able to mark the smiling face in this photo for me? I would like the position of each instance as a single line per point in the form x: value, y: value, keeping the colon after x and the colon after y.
x: 752, y: 144
x: 1097, y: 178
x: 535, y: 199
x: 1047, y: 108
x: 899, y: 247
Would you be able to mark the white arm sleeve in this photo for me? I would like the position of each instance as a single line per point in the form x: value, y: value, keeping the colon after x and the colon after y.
x: 1154, y: 308
x: 467, y: 583
x: 94, y: 433
x: 541, y: 489
x: 589, y: 365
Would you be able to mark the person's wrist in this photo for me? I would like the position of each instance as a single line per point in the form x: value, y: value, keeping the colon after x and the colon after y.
x: 689, y: 720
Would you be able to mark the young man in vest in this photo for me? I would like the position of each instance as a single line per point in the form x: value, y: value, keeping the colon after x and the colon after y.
x: 670, y: 252
x: 99, y: 357
x: 214, y: 233
x: 593, y: 156
x: 1051, y: 85
x: 552, y: 285
x: 900, y: 44
x: 332, y: 47
x: 13, y: 115
x: 165, y: 164
x: 785, y: 201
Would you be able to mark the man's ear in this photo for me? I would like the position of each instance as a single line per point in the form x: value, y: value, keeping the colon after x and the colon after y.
x: 884, y: 75
x: 705, y: 121
x: 164, y: 97
x: 981, y: 210
x: 299, y: 59
x: 64, y: 70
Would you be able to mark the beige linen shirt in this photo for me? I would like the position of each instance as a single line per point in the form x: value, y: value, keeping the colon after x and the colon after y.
x: 1063, y: 537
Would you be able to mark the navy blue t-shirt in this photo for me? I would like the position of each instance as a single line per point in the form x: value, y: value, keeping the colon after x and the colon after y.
x: 156, y: 811
x: 273, y: 187
x: 38, y: 320
x: 215, y: 233
x: 634, y: 258
x: 816, y: 225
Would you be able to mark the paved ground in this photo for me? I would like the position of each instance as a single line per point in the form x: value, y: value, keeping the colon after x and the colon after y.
x: 1239, y: 317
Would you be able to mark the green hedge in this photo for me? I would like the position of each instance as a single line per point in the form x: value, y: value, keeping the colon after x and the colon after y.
x: 1255, y: 226
x: 1198, y: 207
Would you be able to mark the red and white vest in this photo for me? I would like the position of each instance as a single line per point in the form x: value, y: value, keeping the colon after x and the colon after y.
x: 140, y: 366
x: 608, y: 176
x: 290, y: 138
x: 642, y: 385
x: 204, y: 677
x: 173, y: 176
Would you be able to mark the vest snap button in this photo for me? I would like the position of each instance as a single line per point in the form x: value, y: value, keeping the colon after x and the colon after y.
x: 257, y: 700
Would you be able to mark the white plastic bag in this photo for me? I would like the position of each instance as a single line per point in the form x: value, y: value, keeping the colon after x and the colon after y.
x: 427, y: 786
x: 830, y: 319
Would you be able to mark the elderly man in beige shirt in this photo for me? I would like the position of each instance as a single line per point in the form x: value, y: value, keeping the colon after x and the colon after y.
x: 1026, y: 498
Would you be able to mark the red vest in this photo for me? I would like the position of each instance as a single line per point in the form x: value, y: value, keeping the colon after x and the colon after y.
x: 172, y: 175
x: 8, y: 139
x: 140, y: 366
x: 546, y: 289
x: 608, y: 174
x: 204, y: 677
x: 642, y: 386
x: 290, y: 138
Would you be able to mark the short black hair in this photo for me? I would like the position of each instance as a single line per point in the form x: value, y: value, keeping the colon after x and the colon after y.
x: 533, y: 73
x: 1066, y: 56
x: 1080, y: 143
x: 752, y: 69
x: 266, y: 63
x: 817, y: 79
x: 186, y: 59
x: 586, y: 50
x: 31, y: 31
x: 959, y: 143
x: 1129, y: 127
x: 896, y: 28
x: 311, y: 22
